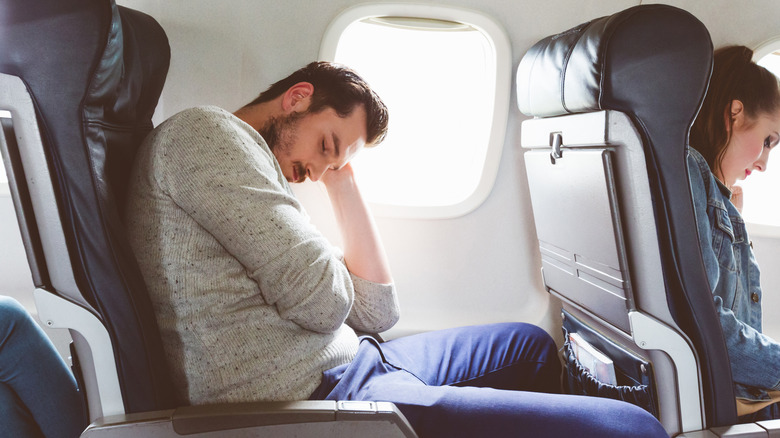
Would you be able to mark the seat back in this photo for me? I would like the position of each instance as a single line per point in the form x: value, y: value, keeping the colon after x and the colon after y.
x: 81, y: 80
x: 614, y: 100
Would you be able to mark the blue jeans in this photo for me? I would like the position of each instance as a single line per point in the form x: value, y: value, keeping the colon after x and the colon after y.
x: 38, y: 394
x: 498, y: 380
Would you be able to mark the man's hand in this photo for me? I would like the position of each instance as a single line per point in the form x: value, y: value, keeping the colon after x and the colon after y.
x: 338, y: 179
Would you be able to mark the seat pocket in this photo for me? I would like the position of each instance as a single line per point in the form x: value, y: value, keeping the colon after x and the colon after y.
x: 634, y: 375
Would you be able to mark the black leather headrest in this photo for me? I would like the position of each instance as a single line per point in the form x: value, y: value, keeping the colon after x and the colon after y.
x: 651, y: 58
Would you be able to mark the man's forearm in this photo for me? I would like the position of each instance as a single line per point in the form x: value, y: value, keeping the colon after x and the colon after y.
x: 363, y: 250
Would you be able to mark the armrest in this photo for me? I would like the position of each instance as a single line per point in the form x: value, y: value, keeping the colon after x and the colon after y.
x: 316, y: 418
x: 767, y: 428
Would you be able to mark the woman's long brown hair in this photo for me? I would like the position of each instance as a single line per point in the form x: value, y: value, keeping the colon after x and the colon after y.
x: 734, y: 77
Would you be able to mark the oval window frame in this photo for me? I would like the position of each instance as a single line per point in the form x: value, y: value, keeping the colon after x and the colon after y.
x: 499, y: 40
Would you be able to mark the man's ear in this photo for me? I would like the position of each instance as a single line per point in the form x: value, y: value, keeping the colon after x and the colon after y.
x: 297, y: 98
x: 735, y: 115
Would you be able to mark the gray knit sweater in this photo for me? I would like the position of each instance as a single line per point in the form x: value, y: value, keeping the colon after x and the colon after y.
x: 253, y: 303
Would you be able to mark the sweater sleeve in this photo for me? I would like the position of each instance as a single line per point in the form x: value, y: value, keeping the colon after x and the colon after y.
x: 376, y: 306
x: 220, y: 173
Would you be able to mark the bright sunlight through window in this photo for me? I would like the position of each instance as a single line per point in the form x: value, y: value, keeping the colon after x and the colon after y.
x: 439, y: 77
x: 760, y: 189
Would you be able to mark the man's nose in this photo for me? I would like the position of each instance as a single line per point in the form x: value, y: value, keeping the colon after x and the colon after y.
x: 316, y: 172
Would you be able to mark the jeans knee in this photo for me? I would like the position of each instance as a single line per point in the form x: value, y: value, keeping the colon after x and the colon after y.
x: 633, y: 421
x: 647, y: 426
x: 13, y: 314
x: 533, y: 335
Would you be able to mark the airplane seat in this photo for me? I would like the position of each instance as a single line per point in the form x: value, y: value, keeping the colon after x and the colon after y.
x: 613, y: 101
x: 94, y: 73
x: 79, y: 83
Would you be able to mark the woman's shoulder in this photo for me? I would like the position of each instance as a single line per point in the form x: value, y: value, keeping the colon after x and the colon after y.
x: 702, y: 181
x: 698, y: 169
x: 704, y: 185
x: 695, y: 157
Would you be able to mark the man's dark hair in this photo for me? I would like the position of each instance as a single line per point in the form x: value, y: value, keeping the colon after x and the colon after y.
x: 337, y: 87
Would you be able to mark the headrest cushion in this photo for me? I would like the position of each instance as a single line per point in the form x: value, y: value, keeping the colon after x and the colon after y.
x: 651, y: 52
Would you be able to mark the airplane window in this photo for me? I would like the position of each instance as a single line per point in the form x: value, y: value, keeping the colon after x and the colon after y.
x: 445, y: 75
x: 760, y: 210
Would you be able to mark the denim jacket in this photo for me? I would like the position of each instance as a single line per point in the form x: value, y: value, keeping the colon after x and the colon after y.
x: 734, y: 279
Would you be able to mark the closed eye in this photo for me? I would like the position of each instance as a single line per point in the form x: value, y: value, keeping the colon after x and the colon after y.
x: 771, y: 140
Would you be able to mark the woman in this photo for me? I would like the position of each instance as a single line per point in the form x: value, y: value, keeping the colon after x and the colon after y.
x: 737, y: 127
x: 38, y: 394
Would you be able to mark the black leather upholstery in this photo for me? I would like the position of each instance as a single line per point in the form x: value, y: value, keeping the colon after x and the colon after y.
x: 95, y: 72
x: 653, y: 63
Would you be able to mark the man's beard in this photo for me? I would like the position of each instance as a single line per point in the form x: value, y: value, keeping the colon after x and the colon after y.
x: 279, y: 134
